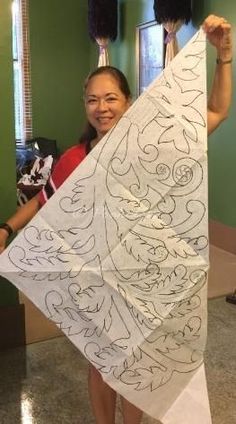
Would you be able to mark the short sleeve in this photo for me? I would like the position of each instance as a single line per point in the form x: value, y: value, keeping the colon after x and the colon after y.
x: 63, y: 168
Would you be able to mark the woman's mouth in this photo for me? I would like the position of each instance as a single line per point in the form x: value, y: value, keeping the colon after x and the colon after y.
x: 104, y: 120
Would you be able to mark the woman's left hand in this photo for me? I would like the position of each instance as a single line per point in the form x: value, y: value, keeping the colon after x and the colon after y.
x: 219, y: 34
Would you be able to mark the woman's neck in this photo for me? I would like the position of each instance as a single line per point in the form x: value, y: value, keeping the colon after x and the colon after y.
x: 95, y: 141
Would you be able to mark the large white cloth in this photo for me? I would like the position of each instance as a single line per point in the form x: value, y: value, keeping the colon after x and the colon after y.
x: 103, y: 59
x: 118, y: 257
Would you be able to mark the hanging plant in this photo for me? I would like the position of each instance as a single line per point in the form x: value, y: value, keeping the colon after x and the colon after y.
x: 172, y: 10
x: 172, y: 14
x: 102, y: 19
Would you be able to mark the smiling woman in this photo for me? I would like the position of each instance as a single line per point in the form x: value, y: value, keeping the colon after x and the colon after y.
x: 107, y: 97
x: 115, y: 95
x: 105, y: 103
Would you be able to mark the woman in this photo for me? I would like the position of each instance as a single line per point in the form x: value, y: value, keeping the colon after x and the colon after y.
x: 107, y: 97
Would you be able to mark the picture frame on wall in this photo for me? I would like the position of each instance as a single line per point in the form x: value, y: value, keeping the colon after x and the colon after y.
x: 150, y: 53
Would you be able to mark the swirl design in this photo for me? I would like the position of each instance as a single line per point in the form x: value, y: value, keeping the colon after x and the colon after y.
x: 121, y: 264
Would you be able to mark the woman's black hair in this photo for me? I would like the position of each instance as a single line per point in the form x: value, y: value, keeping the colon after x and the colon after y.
x: 89, y: 132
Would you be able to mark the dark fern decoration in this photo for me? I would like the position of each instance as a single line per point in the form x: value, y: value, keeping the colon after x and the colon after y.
x: 172, y: 10
x: 102, y: 19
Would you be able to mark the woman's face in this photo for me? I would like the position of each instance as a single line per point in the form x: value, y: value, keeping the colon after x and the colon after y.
x: 104, y: 103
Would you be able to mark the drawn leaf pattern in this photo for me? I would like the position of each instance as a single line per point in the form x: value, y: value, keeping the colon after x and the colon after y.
x: 121, y: 267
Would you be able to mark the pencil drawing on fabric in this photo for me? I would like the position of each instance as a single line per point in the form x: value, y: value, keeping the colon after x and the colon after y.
x: 118, y: 257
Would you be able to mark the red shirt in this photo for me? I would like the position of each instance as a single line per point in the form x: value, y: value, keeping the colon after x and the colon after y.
x: 63, y: 168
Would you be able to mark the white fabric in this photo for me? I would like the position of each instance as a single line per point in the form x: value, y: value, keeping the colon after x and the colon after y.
x: 192, y: 406
x: 172, y: 47
x: 103, y: 59
x: 118, y: 257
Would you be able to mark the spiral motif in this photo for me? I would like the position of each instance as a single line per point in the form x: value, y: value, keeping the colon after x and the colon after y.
x: 183, y: 174
x: 163, y: 171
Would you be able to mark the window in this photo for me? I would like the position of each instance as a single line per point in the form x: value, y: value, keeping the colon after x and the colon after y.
x: 150, y: 53
x: 21, y: 72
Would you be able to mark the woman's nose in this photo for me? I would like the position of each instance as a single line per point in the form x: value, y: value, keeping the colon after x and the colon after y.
x: 102, y: 104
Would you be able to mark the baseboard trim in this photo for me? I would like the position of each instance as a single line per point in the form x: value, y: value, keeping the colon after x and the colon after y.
x: 222, y: 236
x: 12, y: 326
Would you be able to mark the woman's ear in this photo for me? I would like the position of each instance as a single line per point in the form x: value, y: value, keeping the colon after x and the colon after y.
x: 129, y: 101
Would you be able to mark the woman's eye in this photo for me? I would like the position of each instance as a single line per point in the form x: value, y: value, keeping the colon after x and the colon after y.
x: 91, y: 101
x: 111, y: 99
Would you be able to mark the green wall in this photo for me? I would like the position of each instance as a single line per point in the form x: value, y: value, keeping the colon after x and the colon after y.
x: 8, y: 294
x: 222, y: 146
x: 59, y: 63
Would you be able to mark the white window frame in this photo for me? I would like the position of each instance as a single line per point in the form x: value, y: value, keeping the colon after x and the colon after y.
x: 21, y: 71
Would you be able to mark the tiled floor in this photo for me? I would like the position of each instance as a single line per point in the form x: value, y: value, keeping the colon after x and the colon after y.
x: 47, y: 382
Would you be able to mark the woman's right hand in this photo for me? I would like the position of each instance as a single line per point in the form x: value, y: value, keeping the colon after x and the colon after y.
x: 17, y: 221
x: 3, y: 239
